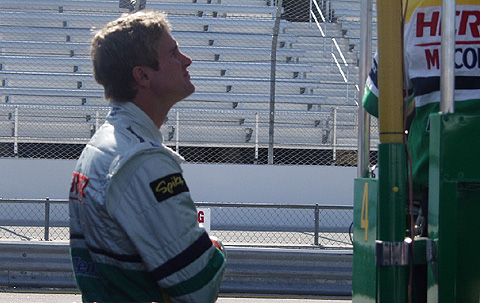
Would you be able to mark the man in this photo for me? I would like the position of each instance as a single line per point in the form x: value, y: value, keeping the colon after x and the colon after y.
x: 134, y: 235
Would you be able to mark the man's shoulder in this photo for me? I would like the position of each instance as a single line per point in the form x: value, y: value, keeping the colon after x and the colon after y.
x: 370, y: 102
x: 113, y: 145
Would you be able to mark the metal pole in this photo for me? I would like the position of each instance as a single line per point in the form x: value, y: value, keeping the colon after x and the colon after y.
x: 177, y: 135
x: 390, y: 67
x: 325, y: 22
x: 363, y: 154
x: 348, y: 84
x: 15, y: 133
x: 97, y: 120
x: 317, y: 224
x: 324, y: 46
x: 47, y: 218
x: 310, y: 15
x: 447, y: 76
x: 334, y: 136
x: 331, y: 51
x: 392, y: 280
x: 273, y: 67
x: 256, y: 137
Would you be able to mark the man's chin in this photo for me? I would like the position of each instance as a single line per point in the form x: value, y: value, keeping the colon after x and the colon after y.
x: 182, y: 98
x: 191, y: 90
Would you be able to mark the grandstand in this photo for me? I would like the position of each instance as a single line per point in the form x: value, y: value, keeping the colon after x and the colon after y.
x: 51, y: 99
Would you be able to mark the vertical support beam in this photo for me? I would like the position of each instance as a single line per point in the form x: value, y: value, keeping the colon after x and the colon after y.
x: 390, y: 79
x: 47, y: 219
x: 177, y: 132
x: 273, y: 66
x: 257, y: 129
x: 363, y: 153
x: 97, y: 119
x: 348, y: 84
x: 392, y: 281
x: 15, y: 133
x: 310, y: 15
x: 447, y: 76
x: 334, y: 139
x: 317, y: 224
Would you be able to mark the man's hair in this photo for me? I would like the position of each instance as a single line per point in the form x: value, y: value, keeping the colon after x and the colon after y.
x: 129, y: 41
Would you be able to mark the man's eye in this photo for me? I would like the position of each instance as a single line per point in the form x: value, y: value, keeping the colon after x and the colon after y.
x: 174, y: 53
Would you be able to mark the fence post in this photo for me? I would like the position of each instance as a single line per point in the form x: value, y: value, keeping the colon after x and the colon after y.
x: 47, y: 218
x: 15, y: 133
x: 310, y: 15
x: 348, y: 82
x: 177, y: 135
x: 335, y: 135
x: 257, y: 128
x: 273, y: 67
x: 317, y: 224
x: 97, y: 119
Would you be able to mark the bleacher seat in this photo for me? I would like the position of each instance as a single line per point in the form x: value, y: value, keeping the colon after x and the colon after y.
x: 44, y: 60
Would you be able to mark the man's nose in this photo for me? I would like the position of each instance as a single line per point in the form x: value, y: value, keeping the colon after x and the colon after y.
x: 186, y: 60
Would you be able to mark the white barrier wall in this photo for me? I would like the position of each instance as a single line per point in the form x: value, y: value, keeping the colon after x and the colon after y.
x: 325, y: 185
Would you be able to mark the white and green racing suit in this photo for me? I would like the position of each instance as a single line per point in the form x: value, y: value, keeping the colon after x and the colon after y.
x: 134, y: 234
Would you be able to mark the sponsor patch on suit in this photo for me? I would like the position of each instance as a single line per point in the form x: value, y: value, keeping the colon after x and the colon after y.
x: 169, y: 186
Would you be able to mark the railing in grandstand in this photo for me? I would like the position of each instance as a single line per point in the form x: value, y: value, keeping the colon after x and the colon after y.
x: 315, y: 9
x: 61, y: 132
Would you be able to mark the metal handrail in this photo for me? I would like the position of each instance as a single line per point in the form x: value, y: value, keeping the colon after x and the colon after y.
x: 316, y: 208
x: 335, y: 45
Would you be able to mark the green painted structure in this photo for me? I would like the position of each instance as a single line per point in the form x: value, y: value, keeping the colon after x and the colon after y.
x: 452, y: 249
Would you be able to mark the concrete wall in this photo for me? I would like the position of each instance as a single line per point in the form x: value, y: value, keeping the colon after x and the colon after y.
x: 325, y: 185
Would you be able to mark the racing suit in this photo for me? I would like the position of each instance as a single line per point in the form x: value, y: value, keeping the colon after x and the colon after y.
x: 422, y: 38
x: 134, y: 234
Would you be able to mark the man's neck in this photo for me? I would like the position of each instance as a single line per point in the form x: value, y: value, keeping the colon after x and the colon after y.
x: 156, y: 110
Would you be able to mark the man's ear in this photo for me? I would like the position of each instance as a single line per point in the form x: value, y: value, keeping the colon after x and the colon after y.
x: 141, y: 76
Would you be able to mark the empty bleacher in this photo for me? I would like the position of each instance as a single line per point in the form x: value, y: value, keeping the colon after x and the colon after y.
x: 44, y: 61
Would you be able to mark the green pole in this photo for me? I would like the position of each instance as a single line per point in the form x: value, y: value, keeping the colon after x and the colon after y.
x: 392, y: 279
x: 392, y: 274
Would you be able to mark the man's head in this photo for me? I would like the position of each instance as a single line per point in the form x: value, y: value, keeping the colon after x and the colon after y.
x: 129, y: 41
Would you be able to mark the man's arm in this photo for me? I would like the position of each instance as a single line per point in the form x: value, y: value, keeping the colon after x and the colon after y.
x: 370, y: 96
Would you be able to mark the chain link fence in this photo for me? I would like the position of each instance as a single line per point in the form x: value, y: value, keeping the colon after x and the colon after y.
x: 201, y: 136
x: 235, y: 223
x: 276, y: 81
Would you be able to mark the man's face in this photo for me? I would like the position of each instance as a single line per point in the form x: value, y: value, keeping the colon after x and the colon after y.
x: 172, y: 81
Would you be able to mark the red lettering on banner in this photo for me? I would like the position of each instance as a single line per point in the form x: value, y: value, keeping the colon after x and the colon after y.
x: 469, y: 23
x: 201, y: 217
x: 79, y: 183
x: 432, y: 24
x: 474, y: 24
x: 433, y: 59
